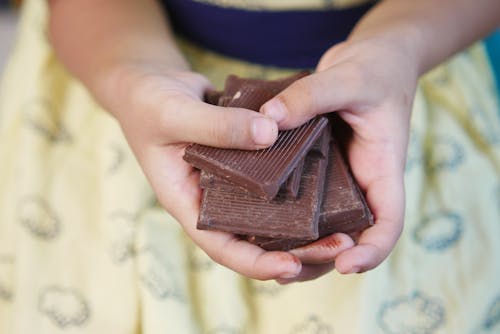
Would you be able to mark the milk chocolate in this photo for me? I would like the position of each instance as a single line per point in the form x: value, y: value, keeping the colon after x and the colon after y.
x: 212, y: 96
x: 240, y: 186
x: 292, y: 185
x: 231, y: 209
x: 343, y: 210
x: 260, y: 171
x: 234, y: 83
x: 322, y: 147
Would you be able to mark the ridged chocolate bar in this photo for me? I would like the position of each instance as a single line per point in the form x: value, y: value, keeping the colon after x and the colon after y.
x: 249, y: 97
x: 261, y: 171
x: 231, y: 209
x: 292, y: 185
x: 234, y: 84
x: 343, y: 209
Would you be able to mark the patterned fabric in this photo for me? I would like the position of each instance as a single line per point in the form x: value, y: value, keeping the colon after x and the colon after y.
x: 84, y: 248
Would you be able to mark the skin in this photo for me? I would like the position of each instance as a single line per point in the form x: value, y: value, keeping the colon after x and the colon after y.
x: 129, y: 62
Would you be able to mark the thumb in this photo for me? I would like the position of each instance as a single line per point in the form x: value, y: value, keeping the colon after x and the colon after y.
x: 202, y: 123
x: 319, y: 93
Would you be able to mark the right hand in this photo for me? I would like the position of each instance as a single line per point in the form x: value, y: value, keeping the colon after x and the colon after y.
x: 160, y: 112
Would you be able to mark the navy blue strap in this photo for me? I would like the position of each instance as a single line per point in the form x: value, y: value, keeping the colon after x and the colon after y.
x: 293, y: 38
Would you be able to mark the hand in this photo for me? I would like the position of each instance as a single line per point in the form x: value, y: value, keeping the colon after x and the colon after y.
x: 160, y: 111
x: 371, y: 85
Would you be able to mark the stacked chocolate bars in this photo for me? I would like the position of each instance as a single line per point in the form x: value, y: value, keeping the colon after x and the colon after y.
x: 282, y: 197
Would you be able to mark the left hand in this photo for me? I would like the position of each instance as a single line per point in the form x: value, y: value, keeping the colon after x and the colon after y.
x: 371, y: 85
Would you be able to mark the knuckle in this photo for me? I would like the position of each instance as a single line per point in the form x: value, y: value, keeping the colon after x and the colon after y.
x: 299, y: 98
x: 224, y: 131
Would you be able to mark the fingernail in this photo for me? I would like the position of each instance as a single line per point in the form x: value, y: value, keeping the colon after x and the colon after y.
x: 354, y: 270
x: 288, y: 275
x: 292, y: 273
x: 275, y: 109
x: 264, y: 131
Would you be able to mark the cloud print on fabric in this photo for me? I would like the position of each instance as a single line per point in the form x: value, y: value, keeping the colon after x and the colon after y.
x: 65, y: 307
x: 412, y: 314
x: 38, y: 217
x: 492, y: 319
x: 439, y: 231
x: 312, y: 325
x: 6, y: 277
x: 43, y: 117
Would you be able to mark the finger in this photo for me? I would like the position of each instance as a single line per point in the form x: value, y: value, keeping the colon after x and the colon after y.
x: 309, y: 272
x: 322, y: 92
x: 198, y: 122
x: 386, y: 198
x: 324, y: 250
x: 232, y: 252
x: 248, y: 259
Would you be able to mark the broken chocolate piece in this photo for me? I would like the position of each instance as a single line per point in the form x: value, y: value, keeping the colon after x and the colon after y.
x: 228, y: 208
x: 344, y: 209
x: 322, y: 147
x: 275, y: 244
x: 249, y: 97
x: 292, y: 185
x: 263, y: 171
x: 234, y: 83
x: 212, y: 96
x: 287, y: 221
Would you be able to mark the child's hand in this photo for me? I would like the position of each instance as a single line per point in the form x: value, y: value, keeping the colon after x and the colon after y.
x: 371, y: 85
x: 160, y: 112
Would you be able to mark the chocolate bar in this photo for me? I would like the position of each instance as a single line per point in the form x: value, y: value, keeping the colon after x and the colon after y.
x: 240, y: 187
x: 343, y: 209
x: 272, y: 87
x: 261, y: 171
x: 292, y: 185
x: 265, y: 171
x: 228, y: 208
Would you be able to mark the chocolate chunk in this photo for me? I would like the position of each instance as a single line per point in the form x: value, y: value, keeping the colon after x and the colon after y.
x: 249, y: 97
x: 261, y: 171
x: 240, y: 186
x: 212, y: 96
x: 344, y: 208
x: 292, y: 185
x: 234, y: 83
x: 274, y: 244
x: 229, y: 208
x: 321, y: 146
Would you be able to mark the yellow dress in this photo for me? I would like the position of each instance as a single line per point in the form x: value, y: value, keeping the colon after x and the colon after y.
x: 84, y: 247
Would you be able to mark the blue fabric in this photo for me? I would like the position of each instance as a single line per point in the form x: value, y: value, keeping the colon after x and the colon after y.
x: 493, y: 47
x: 292, y: 38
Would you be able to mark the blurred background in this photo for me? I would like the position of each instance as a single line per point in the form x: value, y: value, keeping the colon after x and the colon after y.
x: 9, y: 16
x: 8, y: 20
